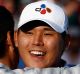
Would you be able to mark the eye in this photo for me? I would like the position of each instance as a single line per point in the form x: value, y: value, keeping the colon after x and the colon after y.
x: 48, y: 34
x: 29, y: 33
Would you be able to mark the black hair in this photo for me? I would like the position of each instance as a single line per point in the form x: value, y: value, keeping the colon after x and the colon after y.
x: 32, y: 24
x: 6, y: 24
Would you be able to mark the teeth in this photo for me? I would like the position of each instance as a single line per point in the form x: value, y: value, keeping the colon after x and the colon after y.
x: 39, y: 53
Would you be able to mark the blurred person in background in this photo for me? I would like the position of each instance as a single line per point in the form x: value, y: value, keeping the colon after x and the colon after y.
x: 8, y: 53
x: 72, y: 53
x: 71, y: 7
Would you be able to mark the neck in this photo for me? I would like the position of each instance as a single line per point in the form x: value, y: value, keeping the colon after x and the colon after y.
x: 60, y: 63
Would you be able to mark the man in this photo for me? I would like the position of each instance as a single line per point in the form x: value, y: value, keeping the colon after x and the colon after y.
x: 41, y: 39
x: 41, y: 35
x: 8, y: 53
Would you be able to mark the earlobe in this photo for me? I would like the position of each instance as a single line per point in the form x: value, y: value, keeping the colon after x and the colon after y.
x: 15, y: 38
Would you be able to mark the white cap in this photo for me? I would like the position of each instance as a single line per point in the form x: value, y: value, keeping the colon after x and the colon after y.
x: 46, y: 11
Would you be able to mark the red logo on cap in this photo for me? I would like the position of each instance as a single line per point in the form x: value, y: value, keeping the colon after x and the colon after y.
x: 43, y: 11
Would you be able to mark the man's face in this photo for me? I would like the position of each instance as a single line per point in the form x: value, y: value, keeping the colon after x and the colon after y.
x: 40, y: 46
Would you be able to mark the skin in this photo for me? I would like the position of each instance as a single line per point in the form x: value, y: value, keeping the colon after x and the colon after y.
x: 39, y: 39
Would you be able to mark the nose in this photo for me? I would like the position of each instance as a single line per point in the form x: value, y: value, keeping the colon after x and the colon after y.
x: 38, y: 40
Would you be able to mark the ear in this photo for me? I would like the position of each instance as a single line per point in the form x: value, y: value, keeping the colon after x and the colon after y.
x: 16, y: 38
x: 9, y: 41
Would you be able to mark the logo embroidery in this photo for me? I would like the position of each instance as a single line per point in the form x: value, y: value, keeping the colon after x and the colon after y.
x: 43, y: 9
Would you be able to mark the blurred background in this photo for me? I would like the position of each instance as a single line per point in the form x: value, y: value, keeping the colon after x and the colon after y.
x: 72, y: 9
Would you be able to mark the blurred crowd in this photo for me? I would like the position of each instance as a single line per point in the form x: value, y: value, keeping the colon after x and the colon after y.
x: 72, y: 9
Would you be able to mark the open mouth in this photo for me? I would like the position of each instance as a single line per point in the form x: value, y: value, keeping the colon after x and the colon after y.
x: 37, y: 53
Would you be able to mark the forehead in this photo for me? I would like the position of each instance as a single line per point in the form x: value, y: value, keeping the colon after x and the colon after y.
x: 33, y: 24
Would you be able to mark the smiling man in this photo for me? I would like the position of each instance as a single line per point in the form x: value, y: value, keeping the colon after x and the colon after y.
x: 41, y: 35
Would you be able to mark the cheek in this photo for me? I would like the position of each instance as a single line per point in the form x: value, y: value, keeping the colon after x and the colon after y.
x: 53, y: 51
x: 23, y: 46
x: 53, y: 47
x: 23, y: 41
x: 52, y: 44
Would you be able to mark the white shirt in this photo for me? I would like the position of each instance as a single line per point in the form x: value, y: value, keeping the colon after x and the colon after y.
x: 57, y: 70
